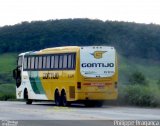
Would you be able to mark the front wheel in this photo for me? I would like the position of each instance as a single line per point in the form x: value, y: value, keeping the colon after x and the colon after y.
x: 28, y: 101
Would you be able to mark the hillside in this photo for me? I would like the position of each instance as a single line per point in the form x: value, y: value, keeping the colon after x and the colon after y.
x: 130, y: 39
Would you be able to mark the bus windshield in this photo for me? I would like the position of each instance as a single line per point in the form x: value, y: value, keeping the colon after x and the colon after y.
x: 97, y: 61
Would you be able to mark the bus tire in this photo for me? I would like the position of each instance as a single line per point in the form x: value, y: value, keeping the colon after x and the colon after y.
x: 99, y: 103
x: 57, y: 98
x: 89, y: 103
x: 64, y: 101
x: 28, y: 101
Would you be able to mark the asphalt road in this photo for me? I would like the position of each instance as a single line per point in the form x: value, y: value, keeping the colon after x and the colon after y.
x: 74, y: 115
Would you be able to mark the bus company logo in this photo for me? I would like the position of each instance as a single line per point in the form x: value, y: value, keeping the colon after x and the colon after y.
x: 98, y: 54
x: 19, y: 93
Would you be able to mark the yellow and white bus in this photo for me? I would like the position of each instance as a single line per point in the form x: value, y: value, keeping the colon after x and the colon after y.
x: 87, y: 74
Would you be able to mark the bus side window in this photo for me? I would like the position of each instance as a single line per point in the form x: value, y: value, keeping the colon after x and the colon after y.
x: 40, y: 62
x: 36, y: 62
x: 29, y: 62
x: 44, y: 62
x: 60, y: 61
x: 69, y: 61
x: 48, y: 62
x: 56, y: 61
x: 52, y: 62
x: 32, y: 62
x: 65, y: 61
x: 73, y: 60
x: 25, y: 63
x: 20, y: 61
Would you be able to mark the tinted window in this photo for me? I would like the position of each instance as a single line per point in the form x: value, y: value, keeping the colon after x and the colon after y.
x: 20, y: 61
x: 52, y: 61
x: 60, y: 61
x: 29, y: 62
x: 69, y: 61
x: 65, y: 61
x: 32, y: 62
x: 40, y: 62
x: 44, y: 62
x: 25, y: 63
x: 73, y: 61
x: 56, y: 61
x: 36, y: 62
x: 48, y: 62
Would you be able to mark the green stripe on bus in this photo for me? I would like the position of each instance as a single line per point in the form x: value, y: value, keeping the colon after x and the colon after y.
x: 36, y: 83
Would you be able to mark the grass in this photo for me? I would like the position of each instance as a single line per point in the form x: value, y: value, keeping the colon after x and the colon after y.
x: 149, y: 68
x: 7, y: 84
x: 7, y: 91
x: 7, y: 64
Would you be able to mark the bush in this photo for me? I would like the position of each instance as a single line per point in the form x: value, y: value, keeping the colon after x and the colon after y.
x: 5, y: 97
x: 140, y: 95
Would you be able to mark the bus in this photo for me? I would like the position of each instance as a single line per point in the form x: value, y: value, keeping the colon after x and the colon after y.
x: 65, y: 75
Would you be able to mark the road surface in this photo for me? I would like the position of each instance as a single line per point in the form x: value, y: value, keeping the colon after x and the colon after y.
x: 14, y: 110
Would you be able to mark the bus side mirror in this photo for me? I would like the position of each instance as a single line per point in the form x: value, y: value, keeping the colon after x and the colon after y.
x: 15, y: 73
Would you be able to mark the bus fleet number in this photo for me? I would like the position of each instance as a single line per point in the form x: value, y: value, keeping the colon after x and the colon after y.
x: 50, y: 76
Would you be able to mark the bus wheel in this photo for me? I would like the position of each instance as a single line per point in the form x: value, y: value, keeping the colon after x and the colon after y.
x: 89, y: 103
x: 57, y: 98
x: 28, y: 101
x: 99, y: 103
x: 64, y: 99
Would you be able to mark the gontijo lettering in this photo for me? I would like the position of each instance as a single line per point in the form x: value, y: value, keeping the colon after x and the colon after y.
x: 97, y: 64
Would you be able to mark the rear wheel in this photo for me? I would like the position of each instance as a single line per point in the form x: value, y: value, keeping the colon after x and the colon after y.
x: 28, y: 101
x: 57, y: 98
x: 89, y: 104
x: 99, y: 103
x: 63, y: 99
x: 93, y: 103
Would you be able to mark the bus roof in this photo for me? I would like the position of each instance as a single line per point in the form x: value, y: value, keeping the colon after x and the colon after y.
x: 60, y: 48
x: 63, y: 49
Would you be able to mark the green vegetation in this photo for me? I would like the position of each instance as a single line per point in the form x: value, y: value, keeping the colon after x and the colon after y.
x: 137, y: 78
x: 139, y: 82
x: 7, y: 91
x: 138, y: 46
x: 7, y: 86
x: 7, y: 64
x: 130, y: 39
x: 140, y: 95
